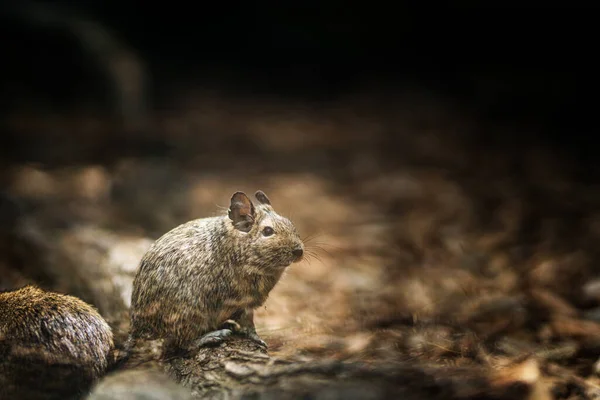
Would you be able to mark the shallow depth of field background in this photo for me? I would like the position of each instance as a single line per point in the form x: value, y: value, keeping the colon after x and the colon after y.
x: 442, y: 169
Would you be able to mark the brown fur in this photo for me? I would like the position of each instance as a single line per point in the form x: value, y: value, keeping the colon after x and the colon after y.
x: 210, y: 270
x: 51, y: 345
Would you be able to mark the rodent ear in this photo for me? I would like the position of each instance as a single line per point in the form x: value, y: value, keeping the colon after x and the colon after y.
x: 262, y: 197
x: 241, y: 212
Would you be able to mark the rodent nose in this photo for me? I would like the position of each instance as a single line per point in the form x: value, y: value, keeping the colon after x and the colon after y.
x: 298, y: 252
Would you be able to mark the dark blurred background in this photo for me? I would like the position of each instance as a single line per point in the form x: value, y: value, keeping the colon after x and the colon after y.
x: 527, y: 64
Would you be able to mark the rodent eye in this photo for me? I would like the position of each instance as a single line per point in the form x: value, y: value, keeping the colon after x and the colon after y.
x: 268, y: 231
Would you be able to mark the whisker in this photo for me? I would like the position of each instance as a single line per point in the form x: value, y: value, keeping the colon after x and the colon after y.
x: 312, y: 248
x: 326, y: 244
x: 313, y: 236
x: 221, y: 207
x: 310, y: 252
x: 321, y: 245
x: 316, y: 257
x: 310, y: 237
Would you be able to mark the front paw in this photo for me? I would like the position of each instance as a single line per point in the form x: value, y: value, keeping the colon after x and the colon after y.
x: 255, y: 338
x: 213, y: 338
x: 248, y: 332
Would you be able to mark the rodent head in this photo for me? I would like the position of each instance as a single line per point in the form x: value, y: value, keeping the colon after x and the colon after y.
x: 271, y: 241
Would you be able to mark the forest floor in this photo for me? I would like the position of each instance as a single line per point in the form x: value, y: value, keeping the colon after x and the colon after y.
x: 435, y: 239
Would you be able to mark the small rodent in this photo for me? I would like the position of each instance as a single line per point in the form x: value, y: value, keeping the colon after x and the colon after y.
x: 52, y: 346
x: 208, y: 272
